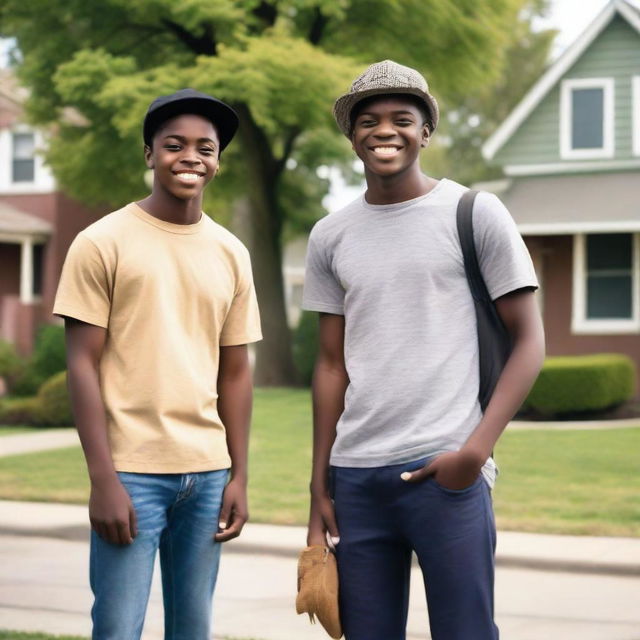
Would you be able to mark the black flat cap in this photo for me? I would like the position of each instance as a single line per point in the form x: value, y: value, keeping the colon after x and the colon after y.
x: 184, y: 101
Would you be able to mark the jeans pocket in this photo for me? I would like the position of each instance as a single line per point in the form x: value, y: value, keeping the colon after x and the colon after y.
x: 457, y: 492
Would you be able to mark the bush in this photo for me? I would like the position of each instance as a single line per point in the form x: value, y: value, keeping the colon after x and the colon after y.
x: 305, y: 345
x: 22, y: 411
x: 574, y: 384
x: 49, y: 356
x: 55, y: 405
x: 11, y: 364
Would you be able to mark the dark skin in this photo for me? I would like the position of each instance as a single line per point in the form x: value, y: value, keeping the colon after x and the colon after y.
x: 184, y: 157
x: 396, y: 129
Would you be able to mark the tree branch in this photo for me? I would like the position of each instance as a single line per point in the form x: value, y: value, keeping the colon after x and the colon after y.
x: 318, y: 25
x: 289, y: 141
x: 204, y: 44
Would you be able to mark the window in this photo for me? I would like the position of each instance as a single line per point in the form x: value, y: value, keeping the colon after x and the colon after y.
x: 23, y: 157
x: 586, y: 118
x: 607, y: 283
x: 635, y: 105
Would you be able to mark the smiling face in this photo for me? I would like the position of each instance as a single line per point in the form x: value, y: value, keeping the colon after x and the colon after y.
x: 184, y: 157
x: 388, y: 133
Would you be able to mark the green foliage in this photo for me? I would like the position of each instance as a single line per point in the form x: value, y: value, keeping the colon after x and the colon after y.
x: 24, y: 411
x: 11, y: 364
x: 305, y: 345
x: 55, y: 406
x: 51, y: 407
x: 49, y: 355
x: 573, y: 384
x: 281, y: 64
x: 27, y: 382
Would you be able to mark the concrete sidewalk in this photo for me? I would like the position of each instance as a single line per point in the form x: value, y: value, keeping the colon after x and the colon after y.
x: 612, y: 556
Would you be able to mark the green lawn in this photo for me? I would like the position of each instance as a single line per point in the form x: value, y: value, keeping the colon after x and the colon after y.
x: 580, y: 482
x: 6, y: 430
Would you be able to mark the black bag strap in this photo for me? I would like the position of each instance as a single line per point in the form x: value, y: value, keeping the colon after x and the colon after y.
x: 464, y: 220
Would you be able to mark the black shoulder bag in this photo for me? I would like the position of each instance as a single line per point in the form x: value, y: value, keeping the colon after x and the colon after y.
x: 494, y: 341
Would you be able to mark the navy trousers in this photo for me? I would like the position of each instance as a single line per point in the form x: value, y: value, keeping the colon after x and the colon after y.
x: 381, y: 520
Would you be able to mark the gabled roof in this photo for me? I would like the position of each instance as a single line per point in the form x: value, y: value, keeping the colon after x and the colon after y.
x: 627, y: 9
x: 18, y: 223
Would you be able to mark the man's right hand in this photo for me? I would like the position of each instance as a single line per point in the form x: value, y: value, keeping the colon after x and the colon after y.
x: 111, y: 512
x: 322, y: 519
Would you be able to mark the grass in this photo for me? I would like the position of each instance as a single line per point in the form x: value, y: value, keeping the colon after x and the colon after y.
x: 572, y: 482
x: 6, y: 430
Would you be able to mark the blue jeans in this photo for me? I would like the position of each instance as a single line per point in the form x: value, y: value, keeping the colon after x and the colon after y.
x: 178, y: 514
x: 381, y: 520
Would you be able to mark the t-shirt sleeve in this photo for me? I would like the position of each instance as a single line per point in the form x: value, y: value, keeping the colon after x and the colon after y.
x: 242, y: 324
x: 322, y: 291
x: 504, y: 260
x: 84, y: 290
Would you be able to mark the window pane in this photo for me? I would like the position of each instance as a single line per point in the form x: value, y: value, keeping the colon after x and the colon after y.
x: 23, y: 146
x: 609, y: 251
x: 23, y: 171
x: 609, y: 297
x: 587, y: 118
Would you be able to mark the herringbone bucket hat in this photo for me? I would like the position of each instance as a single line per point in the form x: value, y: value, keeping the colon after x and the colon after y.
x: 381, y: 78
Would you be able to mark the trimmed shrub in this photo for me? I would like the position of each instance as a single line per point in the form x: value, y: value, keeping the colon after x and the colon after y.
x: 305, y: 345
x: 20, y: 411
x: 27, y: 382
x: 49, y: 356
x: 11, y: 364
x: 55, y: 405
x: 575, y: 384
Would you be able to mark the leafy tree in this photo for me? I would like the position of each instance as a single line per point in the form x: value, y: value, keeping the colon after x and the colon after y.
x: 467, y: 123
x: 280, y: 63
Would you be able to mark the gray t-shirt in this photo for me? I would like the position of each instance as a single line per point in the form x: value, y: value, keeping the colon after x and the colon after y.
x: 396, y: 273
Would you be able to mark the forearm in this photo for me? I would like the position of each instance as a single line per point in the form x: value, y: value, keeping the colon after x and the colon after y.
x: 235, y: 399
x: 329, y: 386
x: 517, y: 378
x: 90, y: 416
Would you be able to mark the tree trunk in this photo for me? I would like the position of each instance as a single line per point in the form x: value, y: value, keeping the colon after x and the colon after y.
x: 258, y: 222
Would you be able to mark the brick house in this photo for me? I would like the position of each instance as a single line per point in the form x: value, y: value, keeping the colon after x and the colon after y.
x: 37, y: 223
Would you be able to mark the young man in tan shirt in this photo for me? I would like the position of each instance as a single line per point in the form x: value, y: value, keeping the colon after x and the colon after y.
x: 159, y: 306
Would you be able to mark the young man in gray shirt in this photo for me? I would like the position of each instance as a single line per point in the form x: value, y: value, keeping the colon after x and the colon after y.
x: 402, y: 450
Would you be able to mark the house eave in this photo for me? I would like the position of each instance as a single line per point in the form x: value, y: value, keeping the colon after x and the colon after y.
x: 569, y: 229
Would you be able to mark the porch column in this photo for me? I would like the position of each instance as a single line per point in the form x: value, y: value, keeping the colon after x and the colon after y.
x: 26, y: 271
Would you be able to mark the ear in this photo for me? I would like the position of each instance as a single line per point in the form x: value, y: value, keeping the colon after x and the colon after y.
x: 426, y: 136
x: 148, y: 156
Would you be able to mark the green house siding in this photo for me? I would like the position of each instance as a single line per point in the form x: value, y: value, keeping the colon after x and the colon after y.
x: 614, y: 54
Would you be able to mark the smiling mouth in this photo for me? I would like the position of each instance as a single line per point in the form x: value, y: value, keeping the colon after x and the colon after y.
x: 385, y: 150
x: 189, y: 176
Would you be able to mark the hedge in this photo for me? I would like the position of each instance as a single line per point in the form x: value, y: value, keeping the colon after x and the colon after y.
x: 50, y: 408
x: 575, y: 384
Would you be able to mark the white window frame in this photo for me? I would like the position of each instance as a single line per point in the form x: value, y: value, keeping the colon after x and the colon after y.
x: 635, y: 118
x: 580, y: 324
x: 15, y: 133
x: 567, y: 152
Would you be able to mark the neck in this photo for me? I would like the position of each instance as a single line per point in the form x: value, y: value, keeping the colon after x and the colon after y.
x: 398, y: 187
x: 171, y: 209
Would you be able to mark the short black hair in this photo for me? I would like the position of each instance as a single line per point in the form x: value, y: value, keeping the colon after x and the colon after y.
x: 408, y: 97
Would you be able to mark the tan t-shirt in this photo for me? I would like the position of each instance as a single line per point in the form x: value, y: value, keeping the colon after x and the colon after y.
x: 169, y: 296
